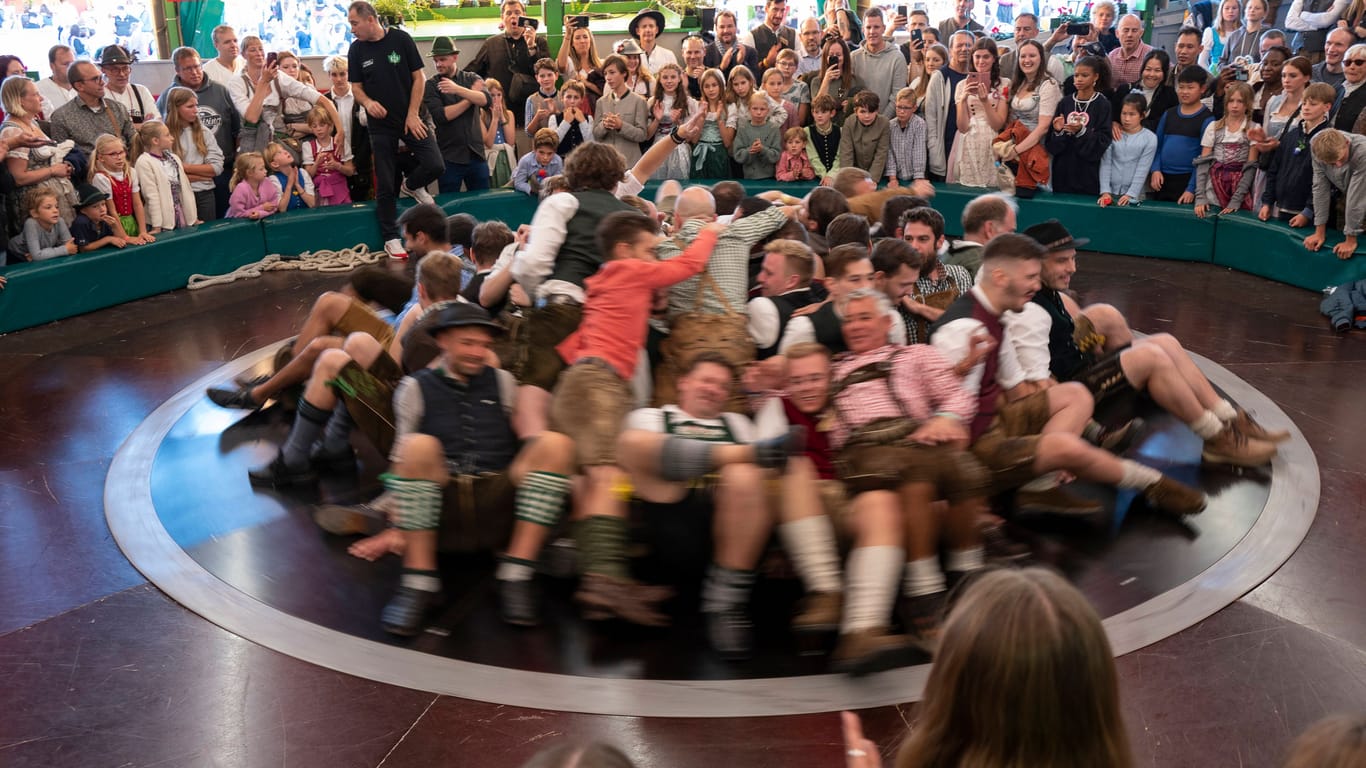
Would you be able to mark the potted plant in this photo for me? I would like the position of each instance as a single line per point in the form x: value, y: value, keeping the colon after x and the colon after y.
x: 392, y: 13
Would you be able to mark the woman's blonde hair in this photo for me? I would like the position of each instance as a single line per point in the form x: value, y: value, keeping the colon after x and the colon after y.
x: 1219, y: 17
x: 11, y: 94
x: 251, y: 40
x: 594, y: 60
x: 242, y: 167
x: 143, y: 137
x: 96, y: 164
x: 176, y: 99
x: 1334, y: 742
x: 1024, y: 676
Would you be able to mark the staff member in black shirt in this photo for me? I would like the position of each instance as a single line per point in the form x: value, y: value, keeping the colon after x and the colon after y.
x: 385, y: 70
x: 454, y: 99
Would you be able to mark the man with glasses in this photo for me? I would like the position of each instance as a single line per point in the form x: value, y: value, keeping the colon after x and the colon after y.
x: 1351, y: 96
x: 809, y: 53
x: 227, y: 64
x: 90, y: 114
x: 216, y: 114
x: 1330, y: 70
x: 117, y: 67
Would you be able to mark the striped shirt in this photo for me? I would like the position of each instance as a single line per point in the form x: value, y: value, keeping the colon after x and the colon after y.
x: 921, y: 384
x: 729, y: 263
x: 906, y: 154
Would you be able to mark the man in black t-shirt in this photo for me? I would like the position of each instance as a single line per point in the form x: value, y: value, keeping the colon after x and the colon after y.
x: 454, y: 98
x: 385, y: 70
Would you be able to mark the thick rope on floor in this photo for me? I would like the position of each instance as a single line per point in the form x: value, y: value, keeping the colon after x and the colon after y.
x: 343, y: 260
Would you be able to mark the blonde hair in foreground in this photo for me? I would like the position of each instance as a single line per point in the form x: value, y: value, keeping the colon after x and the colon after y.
x: 1024, y: 677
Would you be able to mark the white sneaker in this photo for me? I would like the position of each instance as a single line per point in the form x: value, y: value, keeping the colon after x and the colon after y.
x: 395, y: 249
x: 420, y: 194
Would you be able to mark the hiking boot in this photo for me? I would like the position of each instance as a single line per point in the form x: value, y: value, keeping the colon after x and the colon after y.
x: 352, y: 520
x: 922, y: 616
x: 1255, y: 431
x: 233, y: 398
x: 1177, y: 498
x: 605, y: 596
x: 1055, y: 501
x: 342, y: 462
x: 820, y: 613
x: 518, y: 602
x: 406, y: 609
x: 1233, y: 446
x: 730, y: 632
x: 874, y: 650
x: 278, y: 474
x: 998, y: 547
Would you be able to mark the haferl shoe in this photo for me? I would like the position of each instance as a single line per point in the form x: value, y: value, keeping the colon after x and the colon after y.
x: 874, y: 650
x: 233, y: 398
x: 604, y: 597
x: 820, y: 613
x: 406, y: 610
x: 1175, y: 497
x: 278, y: 474
x: 349, y: 520
x: 730, y: 632
x: 1233, y: 446
x: 560, y: 559
x: 1056, y: 501
x: 1252, y: 429
x: 518, y: 602
x: 998, y: 547
x: 1118, y: 440
x: 342, y: 462
x: 922, y: 616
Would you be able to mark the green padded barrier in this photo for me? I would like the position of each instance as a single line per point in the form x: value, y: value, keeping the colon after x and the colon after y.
x: 332, y: 228
x: 43, y: 291
x: 1271, y: 249
x: 507, y: 205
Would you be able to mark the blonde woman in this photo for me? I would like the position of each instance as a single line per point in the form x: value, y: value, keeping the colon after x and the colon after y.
x: 31, y: 159
x: 1227, y: 21
x: 580, y: 61
x: 500, y: 136
x: 198, y: 152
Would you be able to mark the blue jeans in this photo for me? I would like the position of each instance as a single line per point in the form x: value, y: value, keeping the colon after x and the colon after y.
x: 474, y: 175
x: 417, y: 167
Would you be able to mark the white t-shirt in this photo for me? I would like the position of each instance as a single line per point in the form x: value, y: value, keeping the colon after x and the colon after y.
x: 103, y: 184
x: 1207, y: 140
x: 308, y: 159
x: 728, y: 429
x: 221, y: 74
x: 148, y: 108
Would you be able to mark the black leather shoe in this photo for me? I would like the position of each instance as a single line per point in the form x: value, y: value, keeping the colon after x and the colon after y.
x: 518, y: 602
x: 340, y: 463
x: 233, y: 398
x: 405, y: 611
x: 731, y: 633
x: 278, y: 474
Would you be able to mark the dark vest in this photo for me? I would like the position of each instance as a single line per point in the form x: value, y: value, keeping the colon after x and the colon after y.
x: 989, y: 390
x: 786, y: 304
x: 578, y: 257
x: 829, y: 329
x: 1313, y: 41
x: 764, y: 40
x: 1065, y: 360
x: 1349, y: 109
x: 468, y: 419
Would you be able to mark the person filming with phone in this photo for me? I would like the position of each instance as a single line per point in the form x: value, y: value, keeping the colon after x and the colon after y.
x: 510, y: 57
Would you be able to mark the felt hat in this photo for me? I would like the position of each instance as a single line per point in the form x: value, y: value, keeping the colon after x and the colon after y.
x: 462, y: 314
x: 443, y: 46
x: 646, y: 13
x: 114, y: 54
x: 89, y: 194
x: 1053, y: 236
x: 629, y: 48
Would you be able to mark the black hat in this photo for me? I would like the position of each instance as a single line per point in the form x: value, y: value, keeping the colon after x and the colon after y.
x: 1053, y: 236
x: 646, y: 13
x: 462, y: 314
x: 89, y: 194
x: 114, y: 54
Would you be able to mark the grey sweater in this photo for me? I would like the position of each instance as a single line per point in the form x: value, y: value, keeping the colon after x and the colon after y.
x: 1350, y: 178
x: 883, y: 73
x: 37, y: 243
x: 764, y: 164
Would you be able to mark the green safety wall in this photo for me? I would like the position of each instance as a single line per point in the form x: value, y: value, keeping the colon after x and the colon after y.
x: 45, y: 291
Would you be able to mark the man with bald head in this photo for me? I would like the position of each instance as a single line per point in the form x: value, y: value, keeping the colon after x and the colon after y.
x: 694, y: 64
x: 809, y: 48
x: 1126, y: 61
x: 727, y: 270
x: 1330, y: 70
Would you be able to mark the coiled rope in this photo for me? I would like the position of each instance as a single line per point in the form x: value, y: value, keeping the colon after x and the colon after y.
x: 343, y: 260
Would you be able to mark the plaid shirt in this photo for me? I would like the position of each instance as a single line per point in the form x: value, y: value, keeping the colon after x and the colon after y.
x: 907, y: 153
x: 74, y: 120
x: 922, y: 384
x: 953, y: 277
x: 1127, y: 69
x: 729, y: 263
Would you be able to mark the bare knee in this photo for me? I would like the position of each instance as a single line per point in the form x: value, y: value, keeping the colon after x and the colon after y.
x: 332, y: 304
x: 1061, y: 450
x: 419, y: 455
x: 330, y: 363
x: 1070, y: 395
x: 877, y: 514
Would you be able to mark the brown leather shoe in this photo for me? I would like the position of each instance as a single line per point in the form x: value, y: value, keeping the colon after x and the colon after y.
x: 1233, y: 446
x: 1177, y: 498
x: 820, y: 613
x: 874, y: 650
x: 604, y: 596
x: 1252, y: 429
x: 1056, y: 501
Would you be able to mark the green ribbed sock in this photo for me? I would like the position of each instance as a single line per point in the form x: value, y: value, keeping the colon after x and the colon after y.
x: 602, y: 546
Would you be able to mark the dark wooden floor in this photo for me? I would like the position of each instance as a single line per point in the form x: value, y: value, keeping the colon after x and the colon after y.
x: 99, y: 668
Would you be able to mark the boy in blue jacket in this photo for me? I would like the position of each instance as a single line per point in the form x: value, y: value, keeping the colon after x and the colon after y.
x: 1178, y: 139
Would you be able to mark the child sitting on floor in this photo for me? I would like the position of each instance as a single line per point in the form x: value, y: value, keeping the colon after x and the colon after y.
x: 539, y: 164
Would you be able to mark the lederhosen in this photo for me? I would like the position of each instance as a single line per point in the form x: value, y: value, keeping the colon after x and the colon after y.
x: 1076, y: 352
x: 877, y: 456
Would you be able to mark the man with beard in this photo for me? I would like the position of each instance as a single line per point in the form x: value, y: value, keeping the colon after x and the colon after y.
x: 1023, y: 429
x: 940, y: 284
x: 728, y: 52
x: 1094, y: 346
x: 454, y: 99
x: 216, y: 114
